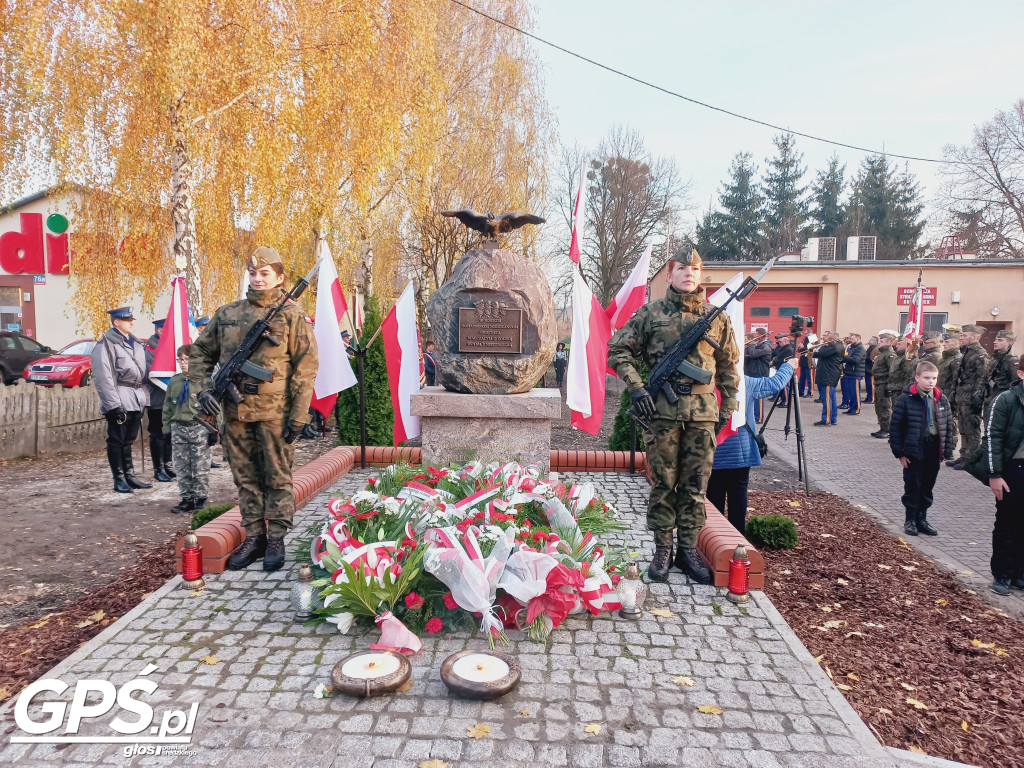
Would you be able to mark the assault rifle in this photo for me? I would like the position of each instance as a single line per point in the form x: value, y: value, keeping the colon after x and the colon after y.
x: 674, y: 364
x: 228, y: 377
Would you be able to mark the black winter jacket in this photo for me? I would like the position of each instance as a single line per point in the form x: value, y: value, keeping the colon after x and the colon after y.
x: 854, y: 361
x: 908, y: 425
x: 783, y: 353
x: 868, y: 360
x: 1004, y: 430
x: 830, y: 364
x: 757, y: 359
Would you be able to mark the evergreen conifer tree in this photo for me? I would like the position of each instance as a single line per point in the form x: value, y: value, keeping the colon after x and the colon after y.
x: 785, y: 207
x: 826, y: 192
x: 380, y: 417
x: 742, y: 214
x: 886, y: 205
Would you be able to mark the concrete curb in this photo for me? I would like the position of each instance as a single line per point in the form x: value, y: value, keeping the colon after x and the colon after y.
x: 906, y: 756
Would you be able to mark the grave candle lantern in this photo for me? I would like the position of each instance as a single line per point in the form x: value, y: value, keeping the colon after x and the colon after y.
x: 192, y: 563
x: 370, y: 673
x: 304, y: 594
x: 480, y: 674
x: 631, y: 592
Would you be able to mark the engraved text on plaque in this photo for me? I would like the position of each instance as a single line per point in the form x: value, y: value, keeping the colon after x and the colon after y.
x: 490, y: 327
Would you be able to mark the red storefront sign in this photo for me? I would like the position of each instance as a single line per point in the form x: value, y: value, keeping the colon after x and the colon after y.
x: 904, y: 296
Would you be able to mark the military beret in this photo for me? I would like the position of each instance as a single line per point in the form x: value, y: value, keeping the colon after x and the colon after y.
x: 121, y: 313
x: 202, y: 321
x: 264, y: 256
x: 1005, y: 334
x: 952, y: 334
x: 974, y: 328
x: 688, y: 255
x: 929, y: 335
x: 159, y: 323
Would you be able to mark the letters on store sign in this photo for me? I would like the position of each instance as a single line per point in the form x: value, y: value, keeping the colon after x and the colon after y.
x: 29, y: 251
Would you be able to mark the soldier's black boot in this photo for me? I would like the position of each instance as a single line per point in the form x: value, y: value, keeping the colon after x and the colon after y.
x: 275, y: 553
x: 923, y: 526
x: 198, y: 504
x: 693, y: 566
x: 114, y: 459
x: 910, y: 526
x: 168, y: 458
x: 129, y: 470
x: 156, y: 452
x: 185, y: 505
x: 252, y: 549
x: 660, y: 563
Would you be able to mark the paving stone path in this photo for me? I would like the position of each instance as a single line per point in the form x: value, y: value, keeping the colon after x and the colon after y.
x: 847, y: 461
x: 256, y: 702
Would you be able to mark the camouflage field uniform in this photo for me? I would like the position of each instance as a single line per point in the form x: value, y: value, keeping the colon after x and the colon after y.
x: 949, y: 369
x: 880, y: 374
x: 260, y: 459
x: 901, y: 373
x: 188, y: 439
x: 681, y: 440
x: 1002, y: 374
x: 970, y: 396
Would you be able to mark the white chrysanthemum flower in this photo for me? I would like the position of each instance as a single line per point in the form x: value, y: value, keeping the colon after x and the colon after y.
x: 365, y: 496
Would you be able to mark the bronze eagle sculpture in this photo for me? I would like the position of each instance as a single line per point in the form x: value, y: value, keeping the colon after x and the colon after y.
x: 490, y: 225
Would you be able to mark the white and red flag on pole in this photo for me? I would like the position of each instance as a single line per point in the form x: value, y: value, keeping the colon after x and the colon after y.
x: 588, y: 358
x: 176, y: 332
x: 334, y: 372
x: 401, y: 353
x: 915, y: 318
x: 735, y: 313
x: 579, y: 216
x: 357, y: 300
x: 633, y: 293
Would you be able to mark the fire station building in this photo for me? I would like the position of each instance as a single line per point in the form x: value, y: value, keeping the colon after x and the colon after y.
x: 866, y: 296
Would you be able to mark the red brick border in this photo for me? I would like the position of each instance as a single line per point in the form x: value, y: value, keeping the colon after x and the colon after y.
x: 717, y: 541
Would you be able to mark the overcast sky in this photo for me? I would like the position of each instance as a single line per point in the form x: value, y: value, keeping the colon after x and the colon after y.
x: 906, y: 76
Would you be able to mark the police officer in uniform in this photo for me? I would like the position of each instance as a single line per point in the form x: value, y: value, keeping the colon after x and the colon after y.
x: 258, y: 433
x: 119, y: 370
x: 880, y: 371
x: 1002, y: 370
x: 159, y: 443
x: 970, y: 392
x: 681, y: 438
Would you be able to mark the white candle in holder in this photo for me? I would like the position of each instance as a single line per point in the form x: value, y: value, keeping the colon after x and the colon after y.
x: 368, y: 666
x: 480, y: 668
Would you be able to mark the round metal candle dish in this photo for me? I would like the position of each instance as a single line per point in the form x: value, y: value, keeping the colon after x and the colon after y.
x: 371, y: 686
x: 480, y: 689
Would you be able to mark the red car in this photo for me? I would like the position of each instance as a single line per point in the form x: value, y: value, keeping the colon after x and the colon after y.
x: 72, y: 366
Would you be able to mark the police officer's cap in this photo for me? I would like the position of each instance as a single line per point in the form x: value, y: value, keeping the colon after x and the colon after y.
x: 929, y: 335
x: 264, y: 256
x: 121, y: 313
x: 688, y: 256
x: 979, y: 329
x: 159, y: 323
x: 1005, y: 334
x: 202, y: 321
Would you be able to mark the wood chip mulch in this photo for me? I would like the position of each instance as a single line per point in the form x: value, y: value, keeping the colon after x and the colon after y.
x: 26, y: 652
x: 925, y: 662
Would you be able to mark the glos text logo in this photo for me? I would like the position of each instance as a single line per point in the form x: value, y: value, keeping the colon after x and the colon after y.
x: 175, y: 727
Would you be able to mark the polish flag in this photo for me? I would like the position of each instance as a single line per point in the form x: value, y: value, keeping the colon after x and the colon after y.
x: 358, y: 310
x: 334, y: 373
x: 177, y: 331
x: 401, y: 353
x: 633, y: 293
x: 735, y: 313
x: 915, y: 318
x: 588, y: 358
x: 579, y: 216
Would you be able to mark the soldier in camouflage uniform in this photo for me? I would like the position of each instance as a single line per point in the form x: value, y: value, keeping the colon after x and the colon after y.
x: 1002, y: 370
x: 970, y: 392
x: 949, y: 369
x: 901, y: 369
x: 188, y: 438
x: 931, y: 348
x: 681, y: 438
x: 259, y: 432
x: 884, y: 355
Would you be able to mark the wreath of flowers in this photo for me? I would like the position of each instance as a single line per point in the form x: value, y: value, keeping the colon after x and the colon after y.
x: 428, y: 549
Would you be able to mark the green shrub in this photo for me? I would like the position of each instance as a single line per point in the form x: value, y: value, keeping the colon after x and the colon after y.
x: 772, y: 531
x: 206, y: 514
x: 380, y: 416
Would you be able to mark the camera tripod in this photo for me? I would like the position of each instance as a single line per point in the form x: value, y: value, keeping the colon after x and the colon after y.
x: 792, y: 414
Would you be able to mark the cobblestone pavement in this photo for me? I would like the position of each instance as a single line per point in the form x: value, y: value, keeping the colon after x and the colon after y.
x: 847, y: 461
x: 256, y: 702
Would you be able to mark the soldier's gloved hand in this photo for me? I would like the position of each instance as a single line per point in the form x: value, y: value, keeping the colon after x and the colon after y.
x: 117, y: 415
x: 211, y: 439
x: 291, y: 431
x: 643, y: 404
x: 977, y: 401
x: 208, y: 403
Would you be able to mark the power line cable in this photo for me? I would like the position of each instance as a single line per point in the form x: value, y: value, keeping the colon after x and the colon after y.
x: 699, y: 103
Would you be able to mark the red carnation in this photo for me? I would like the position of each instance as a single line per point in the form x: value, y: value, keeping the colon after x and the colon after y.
x: 434, y: 625
x: 414, y: 601
x: 449, y: 602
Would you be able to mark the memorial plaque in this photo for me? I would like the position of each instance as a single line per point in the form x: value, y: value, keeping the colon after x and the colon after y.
x: 492, y: 328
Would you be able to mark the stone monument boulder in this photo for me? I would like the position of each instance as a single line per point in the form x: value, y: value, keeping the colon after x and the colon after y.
x: 499, y: 304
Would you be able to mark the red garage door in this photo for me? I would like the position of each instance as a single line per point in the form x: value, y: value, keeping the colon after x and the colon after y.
x: 772, y: 308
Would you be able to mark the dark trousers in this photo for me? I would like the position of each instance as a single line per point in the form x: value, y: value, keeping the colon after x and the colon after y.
x: 155, y: 425
x: 829, y: 411
x: 806, y: 386
x: 121, y: 435
x: 851, y: 392
x: 728, y: 488
x: 559, y: 373
x: 869, y: 388
x: 919, y: 477
x: 1008, y: 533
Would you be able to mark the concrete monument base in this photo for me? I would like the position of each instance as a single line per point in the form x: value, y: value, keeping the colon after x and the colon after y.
x: 456, y: 428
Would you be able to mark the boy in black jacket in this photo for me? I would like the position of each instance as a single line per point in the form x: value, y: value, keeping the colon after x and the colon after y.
x: 921, y: 435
